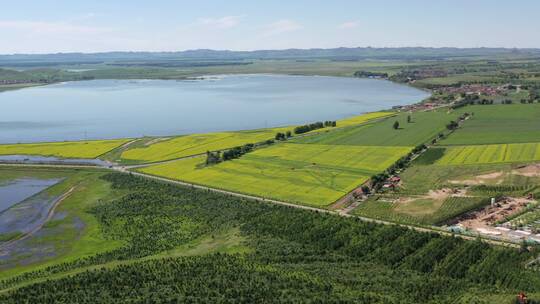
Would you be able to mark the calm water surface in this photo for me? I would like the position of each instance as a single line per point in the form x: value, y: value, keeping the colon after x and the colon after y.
x: 15, y: 191
x: 126, y: 108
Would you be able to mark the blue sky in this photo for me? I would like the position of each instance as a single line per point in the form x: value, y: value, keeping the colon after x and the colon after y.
x: 93, y: 26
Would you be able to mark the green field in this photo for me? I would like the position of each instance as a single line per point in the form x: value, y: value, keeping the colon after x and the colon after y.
x: 177, y: 147
x: 73, y: 149
x: 423, y: 127
x: 487, y: 154
x: 453, y: 80
x: 314, y: 175
x: 498, y: 124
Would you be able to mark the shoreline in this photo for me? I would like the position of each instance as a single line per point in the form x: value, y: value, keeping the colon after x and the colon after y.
x: 210, y: 77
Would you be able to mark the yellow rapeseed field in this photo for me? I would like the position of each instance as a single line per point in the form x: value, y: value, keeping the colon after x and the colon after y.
x: 199, y: 143
x: 308, y: 174
x: 487, y: 154
x: 194, y: 144
x: 73, y: 149
x: 356, y: 120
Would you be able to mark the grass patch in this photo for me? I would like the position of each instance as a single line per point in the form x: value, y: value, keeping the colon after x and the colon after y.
x: 4, y: 237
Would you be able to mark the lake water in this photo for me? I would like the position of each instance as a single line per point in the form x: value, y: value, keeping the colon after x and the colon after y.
x: 37, y: 159
x: 126, y: 108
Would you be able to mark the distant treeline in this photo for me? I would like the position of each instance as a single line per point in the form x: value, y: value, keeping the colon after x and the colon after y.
x: 349, y: 54
x: 367, y: 74
x: 179, y: 64
x: 314, y: 126
x: 236, y: 152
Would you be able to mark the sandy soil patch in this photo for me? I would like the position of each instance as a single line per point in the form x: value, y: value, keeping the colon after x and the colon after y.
x: 528, y: 171
x: 436, y: 195
x: 481, y: 179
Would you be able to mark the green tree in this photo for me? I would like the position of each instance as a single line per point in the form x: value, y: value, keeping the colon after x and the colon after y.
x: 396, y: 125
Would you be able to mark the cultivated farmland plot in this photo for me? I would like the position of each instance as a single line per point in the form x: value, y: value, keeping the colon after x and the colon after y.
x: 423, y: 127
x: 498, y: 124
x: 308, y: 174
x: 74, y: 149
x: 194, y: 144
x: 487, y: 154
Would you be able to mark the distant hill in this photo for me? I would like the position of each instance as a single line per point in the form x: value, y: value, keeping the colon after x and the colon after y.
x: 360, y: 53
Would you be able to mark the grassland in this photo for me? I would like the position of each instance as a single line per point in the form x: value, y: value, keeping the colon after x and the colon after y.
x: 497, y: 124
x: 423, y: 127
x: 75, y: 149
x: 314, y: 175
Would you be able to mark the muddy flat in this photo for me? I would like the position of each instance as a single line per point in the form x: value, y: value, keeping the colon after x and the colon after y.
x: 15, y: 191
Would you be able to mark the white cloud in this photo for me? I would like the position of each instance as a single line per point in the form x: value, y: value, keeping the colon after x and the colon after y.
x: 349, y: 25
x: 39, y: 27
x: 282, y: 26
x: 220, y: 23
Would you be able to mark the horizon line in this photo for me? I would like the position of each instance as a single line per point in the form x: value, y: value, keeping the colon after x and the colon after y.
x: 276, y: 50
